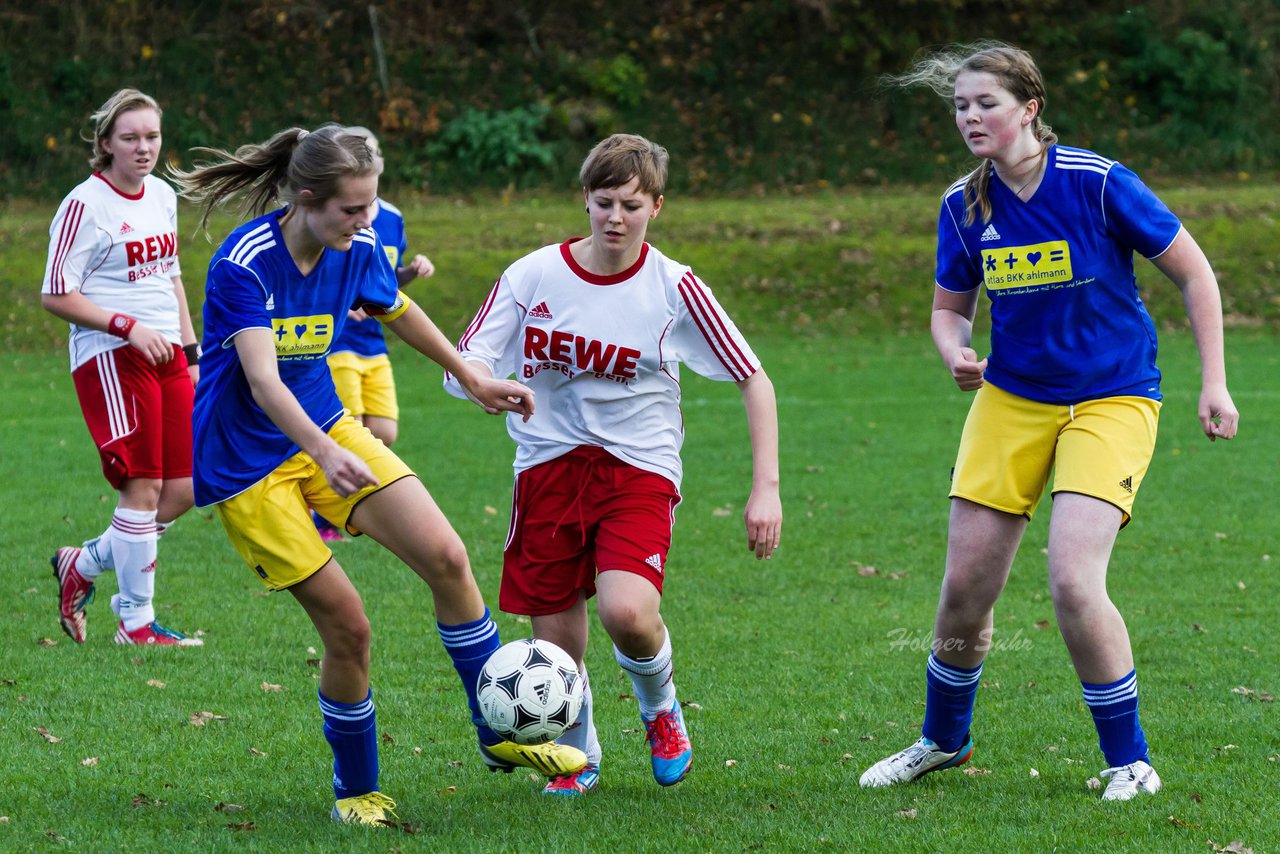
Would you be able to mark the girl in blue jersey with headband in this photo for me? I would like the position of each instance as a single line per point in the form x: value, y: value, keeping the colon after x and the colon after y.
x: 1070, y: 387
x: 271, y: 436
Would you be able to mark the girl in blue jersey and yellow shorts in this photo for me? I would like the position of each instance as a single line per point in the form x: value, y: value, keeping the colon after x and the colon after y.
x: 1070, y: 387
x: 271, y: 436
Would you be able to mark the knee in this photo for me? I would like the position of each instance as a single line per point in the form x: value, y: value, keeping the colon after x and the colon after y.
x: 350, y: 638
x: 142, y: 493
x: 387, y: 432
x: 450, y: 562
x: 630, y: 628
x: 966, y: 602
x: 1071, y: 596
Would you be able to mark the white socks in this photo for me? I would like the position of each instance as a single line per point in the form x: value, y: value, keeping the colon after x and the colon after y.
x: 131, y: 543
x: 651, y: 679
x: 582, y: 734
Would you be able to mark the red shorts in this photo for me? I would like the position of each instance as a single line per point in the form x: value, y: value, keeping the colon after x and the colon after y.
x: 579, y: 513
x: 139, y: 415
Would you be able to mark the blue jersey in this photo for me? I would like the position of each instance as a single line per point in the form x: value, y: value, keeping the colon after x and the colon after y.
x: 365, y: 337
x: 1067, y: 324
x: 253, y: 283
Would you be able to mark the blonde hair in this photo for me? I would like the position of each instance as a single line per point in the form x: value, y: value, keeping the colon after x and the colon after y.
x: 104, y: 122
x: 279, y: 169
x: 617, y: 159
x: 1017, y: 73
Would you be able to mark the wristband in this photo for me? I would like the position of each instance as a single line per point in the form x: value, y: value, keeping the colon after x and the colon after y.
x: 193, y: 353
x: 121, y: 325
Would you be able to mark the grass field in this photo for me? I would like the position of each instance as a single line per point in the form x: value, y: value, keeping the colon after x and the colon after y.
x: 803, y: 670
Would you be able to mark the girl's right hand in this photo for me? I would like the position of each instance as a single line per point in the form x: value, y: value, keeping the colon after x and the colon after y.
x: 151, y: 344
x: 966, y: 370
x: 347, y: 473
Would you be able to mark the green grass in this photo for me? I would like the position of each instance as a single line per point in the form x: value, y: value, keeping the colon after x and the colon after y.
x: 793, y: 661
x: 805, y: 670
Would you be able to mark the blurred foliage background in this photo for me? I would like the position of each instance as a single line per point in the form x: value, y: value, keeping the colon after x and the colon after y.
x: 749, y: 96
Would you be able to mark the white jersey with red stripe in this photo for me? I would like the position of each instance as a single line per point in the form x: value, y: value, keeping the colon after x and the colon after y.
x: 603, y: 353
x: 121, y: 252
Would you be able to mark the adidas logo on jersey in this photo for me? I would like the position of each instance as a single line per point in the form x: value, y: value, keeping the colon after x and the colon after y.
x: 541, y: 310
x: 1127, y: 484
x: 655, y: 561
x: 990, y: 233
x: 125, y: 228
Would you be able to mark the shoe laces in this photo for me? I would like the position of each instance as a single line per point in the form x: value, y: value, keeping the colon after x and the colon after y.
x: 664, y: 733
x: 374, y: 805
x: 166, y: 632
x: 569, y: 782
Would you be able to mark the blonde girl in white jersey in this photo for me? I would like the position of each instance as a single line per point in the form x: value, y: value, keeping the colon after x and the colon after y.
x: 113, y: 274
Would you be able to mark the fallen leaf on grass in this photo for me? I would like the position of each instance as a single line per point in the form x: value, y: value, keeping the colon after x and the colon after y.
x: 202, y: 718
x: 1093, y: 783
x: 626, y: 697
x: 1034, y: 773
x: 155, y: 683
x: 253, y: 751
x: 142, y: 799
x: 271, y: 688
x: 244, y: 825
x: 866, y: 738
x: 974, y: 772
x: 696, y: 707
x: 89, y: 761
x: 906, y: 813
x: 846, y: 757
x: 729, y: 763
x: 455, y: 764
x: 222, y: 806
x: 313, y: 662
x: 4, y: 819
x: 1235, y: 846
x: 47, y: 642
x: 722, y: 511
x: 1177, y: 822
x: 46, y: 735
x: 58, y: 837
x: 449, y: 790
x: 1042, y: 624
x: 490, y: 510
x: 1227, y: 747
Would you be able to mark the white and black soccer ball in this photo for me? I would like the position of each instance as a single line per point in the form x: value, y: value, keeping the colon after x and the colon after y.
x: 530, y: 691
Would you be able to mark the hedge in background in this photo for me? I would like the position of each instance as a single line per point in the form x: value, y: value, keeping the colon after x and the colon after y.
x: 747, y: 95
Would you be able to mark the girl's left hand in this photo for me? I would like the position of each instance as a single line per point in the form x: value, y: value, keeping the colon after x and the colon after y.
x: 1218, y: 416
x: 763, y: 517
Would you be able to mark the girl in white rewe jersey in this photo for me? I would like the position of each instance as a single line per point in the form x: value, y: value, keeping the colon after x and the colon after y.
x: 113, y: 274
x: 598, y: 327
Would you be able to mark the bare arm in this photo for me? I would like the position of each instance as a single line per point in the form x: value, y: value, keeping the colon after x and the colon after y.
x: 492, y: 395
x: 952, y: 328
x: 75, y: 307
x: 186, y: 328
x: 346, y: 472
x: 1187, y: 267
x: 763, y: 513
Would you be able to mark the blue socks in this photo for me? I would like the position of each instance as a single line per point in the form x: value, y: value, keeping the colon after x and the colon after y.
x: 470, y: 645
x: 948, y: 707
x: 1115, y: 714
x: 352, y: 731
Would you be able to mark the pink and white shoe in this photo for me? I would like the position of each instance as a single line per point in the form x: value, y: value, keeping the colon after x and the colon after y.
x: 154, y: 634
x: 74, y: 593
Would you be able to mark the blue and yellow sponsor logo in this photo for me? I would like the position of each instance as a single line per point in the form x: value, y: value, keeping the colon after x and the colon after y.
x: 1026, y: 266
x: 306, y: 337
x: 393, y: 255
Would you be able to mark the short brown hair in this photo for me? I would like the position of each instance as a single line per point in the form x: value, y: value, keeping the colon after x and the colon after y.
x: 617, y: 159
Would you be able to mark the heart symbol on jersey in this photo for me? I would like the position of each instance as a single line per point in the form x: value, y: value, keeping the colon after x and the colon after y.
x: 299, y: 328
x: 1034, y: 258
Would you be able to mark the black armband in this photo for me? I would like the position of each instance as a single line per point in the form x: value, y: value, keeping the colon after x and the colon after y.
x: 192, y: 352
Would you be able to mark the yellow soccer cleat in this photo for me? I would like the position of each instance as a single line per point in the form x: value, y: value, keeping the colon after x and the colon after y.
x: 371, y: 809
x: 549, y: 760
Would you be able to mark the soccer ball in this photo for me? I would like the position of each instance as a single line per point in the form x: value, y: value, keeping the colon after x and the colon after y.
x: 530, y: 691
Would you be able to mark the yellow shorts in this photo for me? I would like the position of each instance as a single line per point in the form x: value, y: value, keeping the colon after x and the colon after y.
x: 1100, y: 448
x: 270, y: 523
x: 365, y: 384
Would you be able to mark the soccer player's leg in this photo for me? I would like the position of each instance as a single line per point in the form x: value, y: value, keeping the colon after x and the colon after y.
x: 431, y: 547
x: 569, y: 630
x: 1103, y: 455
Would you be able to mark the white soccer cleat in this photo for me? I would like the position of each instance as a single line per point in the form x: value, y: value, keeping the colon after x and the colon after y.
x: 907, y: 766
x: 1128, y: 781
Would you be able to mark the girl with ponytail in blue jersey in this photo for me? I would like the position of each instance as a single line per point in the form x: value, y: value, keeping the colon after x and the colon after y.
x: 271, y: 437
x: 1070, y: 387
